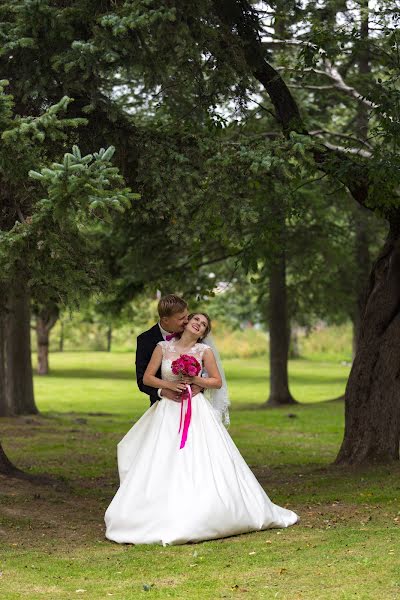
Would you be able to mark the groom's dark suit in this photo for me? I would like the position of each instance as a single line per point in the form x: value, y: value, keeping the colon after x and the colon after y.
x: 146, y: 342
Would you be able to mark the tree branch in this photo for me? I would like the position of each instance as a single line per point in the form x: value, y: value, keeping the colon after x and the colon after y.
x: 344, y: 150
x: 320, y: 132
x: 338, y: 83
x: 341, y: 85
x: 318, y: 88
x: 20, y: 215
x: 277, y: 42
x: 240, y: 19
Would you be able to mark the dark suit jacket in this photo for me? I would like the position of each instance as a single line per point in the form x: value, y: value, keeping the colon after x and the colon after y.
x: 146, y: 342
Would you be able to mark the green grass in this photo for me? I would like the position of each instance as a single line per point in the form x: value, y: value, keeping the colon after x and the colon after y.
x: 90, y: 381
x: 52, y: 537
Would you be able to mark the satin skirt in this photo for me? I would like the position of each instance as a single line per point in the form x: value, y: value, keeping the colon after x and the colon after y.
x: 203, y: 491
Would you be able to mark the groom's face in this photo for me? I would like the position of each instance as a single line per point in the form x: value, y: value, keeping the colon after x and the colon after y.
x: 175, y: 323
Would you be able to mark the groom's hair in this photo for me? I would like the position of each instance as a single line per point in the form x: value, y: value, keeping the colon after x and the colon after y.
x: 170, y: 305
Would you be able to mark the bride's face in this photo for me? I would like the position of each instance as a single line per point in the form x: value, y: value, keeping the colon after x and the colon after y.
x: 197, y: 325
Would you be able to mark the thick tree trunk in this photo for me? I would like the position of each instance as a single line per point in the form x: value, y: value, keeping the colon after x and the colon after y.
x: 279, y: 335
x: 361, y: 215
x: 6, y: 466
x: 3, y: 400
x: 45, y: 321
x: 16, y: 372
x: 372, y: 398
x: 363, y: 266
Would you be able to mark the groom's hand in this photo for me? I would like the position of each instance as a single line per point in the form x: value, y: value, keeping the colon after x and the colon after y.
x: 196, y: 389
x: 170, y: 395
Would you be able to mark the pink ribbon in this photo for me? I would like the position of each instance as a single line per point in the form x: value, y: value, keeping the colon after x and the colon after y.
x: 188, y: 415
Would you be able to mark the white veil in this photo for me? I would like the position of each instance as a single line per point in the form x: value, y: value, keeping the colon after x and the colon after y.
x: 219, y: 399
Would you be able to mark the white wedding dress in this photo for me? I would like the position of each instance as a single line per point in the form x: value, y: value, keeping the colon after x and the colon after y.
x: 203, y: 491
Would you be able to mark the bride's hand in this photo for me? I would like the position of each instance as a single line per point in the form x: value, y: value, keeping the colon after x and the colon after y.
x: 188, y: 380
x: 177, y: 386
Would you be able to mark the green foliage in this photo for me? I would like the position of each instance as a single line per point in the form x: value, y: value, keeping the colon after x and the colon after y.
x: 83, y: 184
x: 63, y: 207
x: 57, y: 206
x: 171, y: 88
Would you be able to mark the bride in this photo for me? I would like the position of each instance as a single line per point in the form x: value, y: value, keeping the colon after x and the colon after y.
x: 174, y: 491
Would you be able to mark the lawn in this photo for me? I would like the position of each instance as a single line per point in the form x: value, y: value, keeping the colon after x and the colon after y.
x: 52, y: 537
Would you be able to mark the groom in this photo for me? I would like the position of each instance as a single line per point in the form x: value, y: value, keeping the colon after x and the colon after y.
x: 173, y: 313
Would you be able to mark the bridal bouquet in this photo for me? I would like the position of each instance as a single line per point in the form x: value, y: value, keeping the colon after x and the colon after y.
x: 188, y: 366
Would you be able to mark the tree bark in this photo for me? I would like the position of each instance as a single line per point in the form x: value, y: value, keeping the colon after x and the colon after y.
x: 61, y: 340
x: 42, y: 336
x: 3, y: 399
x: 279, y: 335
x: 372, y: 398
x: 45, y: 321
x: 362, y: 254
x: 294, y: 348
x: 16, y: 379
x: 6, y: 466
x: 109, y: 338
x: 362, y: 271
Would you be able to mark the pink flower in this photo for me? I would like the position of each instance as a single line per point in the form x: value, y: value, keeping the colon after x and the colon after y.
x: 186, y: 365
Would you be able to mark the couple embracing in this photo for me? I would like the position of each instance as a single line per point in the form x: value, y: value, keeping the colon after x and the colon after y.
x: 182, y: 479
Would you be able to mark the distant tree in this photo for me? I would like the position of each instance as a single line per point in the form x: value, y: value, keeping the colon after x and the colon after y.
x: 46, y: 316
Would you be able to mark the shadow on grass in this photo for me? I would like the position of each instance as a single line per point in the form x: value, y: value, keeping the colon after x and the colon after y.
x: 311, y: 379
x: 290, y: 408
x: 88, y: 373
x: 315, y: 379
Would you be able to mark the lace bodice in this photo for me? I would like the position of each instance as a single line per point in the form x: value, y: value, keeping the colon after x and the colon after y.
x: 170, y: 353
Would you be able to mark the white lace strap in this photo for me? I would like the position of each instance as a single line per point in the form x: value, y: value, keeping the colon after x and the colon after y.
x: 201, y: 348
x: 162, y: 346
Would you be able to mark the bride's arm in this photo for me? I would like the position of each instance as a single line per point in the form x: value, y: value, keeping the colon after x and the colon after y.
x: 150, y: 379
x: 214, y: 378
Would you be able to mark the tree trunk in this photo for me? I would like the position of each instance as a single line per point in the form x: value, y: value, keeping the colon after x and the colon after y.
x: 372, y: 404
x: 42, y: 335
x: 363, y: 266
x: 6, y: 466
x: 16, y: 379
x: 61, y: 340
x: 294, y: 347
x: 356, y: 320
x: 45, y: 321
x: 109, y: 338
x: 361, y: 215
x: 279, y: 334
x: 3, y: 401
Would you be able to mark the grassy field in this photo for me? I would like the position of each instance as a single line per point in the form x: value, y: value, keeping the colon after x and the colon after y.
x: 52, y: 537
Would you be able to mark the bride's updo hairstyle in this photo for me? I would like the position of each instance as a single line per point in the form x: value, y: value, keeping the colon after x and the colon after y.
x: 208, y: 328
